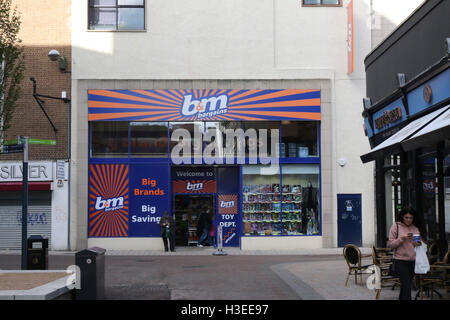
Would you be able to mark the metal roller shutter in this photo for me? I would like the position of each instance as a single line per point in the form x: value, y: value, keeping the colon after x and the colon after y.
x: 39, y: 218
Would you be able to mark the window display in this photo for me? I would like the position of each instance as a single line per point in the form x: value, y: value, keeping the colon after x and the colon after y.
x: 261, y: 207
x: 300, y: 194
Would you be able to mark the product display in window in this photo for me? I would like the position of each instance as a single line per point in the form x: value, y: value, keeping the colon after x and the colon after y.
x: 262, y: 209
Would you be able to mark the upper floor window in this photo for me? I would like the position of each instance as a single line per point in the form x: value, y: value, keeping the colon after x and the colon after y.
x: 116, y: 15
x: 322, y: 2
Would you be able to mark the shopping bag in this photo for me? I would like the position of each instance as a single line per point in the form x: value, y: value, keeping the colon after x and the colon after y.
x: 422, y: 264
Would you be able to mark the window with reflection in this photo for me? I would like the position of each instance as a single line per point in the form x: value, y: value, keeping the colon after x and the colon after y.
x: 299, y: 139
x: 268, y: 145
x: 190, y: 133
x: 109, y: 139
x: 149, y: 139
x: 216, y: 132
x: 116, y: 15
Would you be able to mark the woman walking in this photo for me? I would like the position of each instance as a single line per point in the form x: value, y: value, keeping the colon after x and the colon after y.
x: 402, y: 242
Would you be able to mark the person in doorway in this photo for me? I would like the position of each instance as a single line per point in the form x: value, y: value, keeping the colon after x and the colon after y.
x: 167, y: 225
x: 401, y: 241
x: 205, y: 221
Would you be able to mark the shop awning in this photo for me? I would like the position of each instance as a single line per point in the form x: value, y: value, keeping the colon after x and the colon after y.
x: 394, y: 144
x: 32, y: 186
x: 436, y: 130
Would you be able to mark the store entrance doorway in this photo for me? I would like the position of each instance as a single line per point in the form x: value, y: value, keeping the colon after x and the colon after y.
x: 187, y: 211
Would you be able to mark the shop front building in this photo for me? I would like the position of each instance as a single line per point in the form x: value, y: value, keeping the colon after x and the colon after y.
x: 251, y: 156
x: 408, y: 123
x: 47, y: 203
x: 160, y: 95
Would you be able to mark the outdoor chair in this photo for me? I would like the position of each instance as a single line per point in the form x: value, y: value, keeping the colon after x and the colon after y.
x: 442, y: 269
x: 437, y: 277
x: 433, y: 252
x: 382, y: 258
x: 353, y: 257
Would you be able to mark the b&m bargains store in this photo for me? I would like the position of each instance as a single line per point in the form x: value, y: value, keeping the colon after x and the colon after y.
x: 132, y: 178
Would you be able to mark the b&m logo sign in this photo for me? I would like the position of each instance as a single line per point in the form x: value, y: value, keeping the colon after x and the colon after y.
x: 228, y: 203
x: 109, y: 204
x: 205, y: 107
x: 204, y: 104
x: 108, y: 200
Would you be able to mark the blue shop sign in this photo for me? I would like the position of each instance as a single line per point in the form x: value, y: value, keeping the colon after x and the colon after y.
x: 430, y: 93
x: 390, y: 116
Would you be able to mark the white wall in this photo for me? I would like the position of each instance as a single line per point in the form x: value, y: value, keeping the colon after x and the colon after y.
x: 60, y: 225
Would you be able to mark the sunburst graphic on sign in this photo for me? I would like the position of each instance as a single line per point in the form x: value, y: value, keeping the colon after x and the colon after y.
x: 203, y: 105
x: 108, y: 200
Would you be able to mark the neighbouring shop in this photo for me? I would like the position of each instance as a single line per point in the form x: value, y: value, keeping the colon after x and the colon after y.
x: 408, y: 125
x: 133, y: 177
x: 47, y: 203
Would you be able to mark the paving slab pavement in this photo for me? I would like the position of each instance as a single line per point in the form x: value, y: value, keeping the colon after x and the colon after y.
x: 195, y: 274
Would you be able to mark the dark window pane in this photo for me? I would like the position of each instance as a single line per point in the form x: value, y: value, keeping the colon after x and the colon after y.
x: 321, y: 2
x: 102, y: 19
x: 193, y: 130
x: 131, y: 2
x: 271, y: 144
x: 109, y: 139
x: 131, y: 19
x: 148, y: 139
x: 102, y: 3
x: 299, y: 139
x: 330, y: 1
x: 220, y: 130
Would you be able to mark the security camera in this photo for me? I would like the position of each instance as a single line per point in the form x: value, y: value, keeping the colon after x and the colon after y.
x: 53, y: 55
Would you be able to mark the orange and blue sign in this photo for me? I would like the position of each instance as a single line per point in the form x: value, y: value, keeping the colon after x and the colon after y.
x: 203, y: 105
x: 108, y: 200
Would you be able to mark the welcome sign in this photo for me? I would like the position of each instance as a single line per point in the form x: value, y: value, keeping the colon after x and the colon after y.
x: 203, y: 105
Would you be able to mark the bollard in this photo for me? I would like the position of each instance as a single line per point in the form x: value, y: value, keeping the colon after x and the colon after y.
x: 219, y: 251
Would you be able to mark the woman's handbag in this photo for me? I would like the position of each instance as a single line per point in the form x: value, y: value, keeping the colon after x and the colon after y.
x: 392, y: 270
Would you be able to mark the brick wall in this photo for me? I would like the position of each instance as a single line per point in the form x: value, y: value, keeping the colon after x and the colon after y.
x: 46, y: 25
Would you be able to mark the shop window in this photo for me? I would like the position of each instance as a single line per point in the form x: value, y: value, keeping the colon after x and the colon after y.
x: 116, y: 15
x: 447, y: 195
x: 261, y: 207
x: 430, y: 196
x: 269, y: 146
x: 299, y: 139
x: 192, y: 135
x: 322, y: 3
x: 220, y: 130
x: 300, y: 199
x: 148, y: 139
x: 109, y: 139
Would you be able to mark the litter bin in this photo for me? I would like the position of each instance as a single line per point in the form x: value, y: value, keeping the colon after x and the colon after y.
x: 92, y: 273
x: 37, y: 253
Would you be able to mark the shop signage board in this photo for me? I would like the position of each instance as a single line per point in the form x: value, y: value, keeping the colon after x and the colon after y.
x: 108, y: 200
x: 203, y: 105
x: 227, y: 217
x: 37, y: 171
x: 149, y: 198
x: 350, y: 39
x: 194, y: 180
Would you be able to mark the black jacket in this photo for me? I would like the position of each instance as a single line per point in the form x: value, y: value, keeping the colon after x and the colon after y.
x: 164, y: 221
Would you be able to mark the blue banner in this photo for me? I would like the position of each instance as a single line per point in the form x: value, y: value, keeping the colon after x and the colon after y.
x: 149, y: 198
